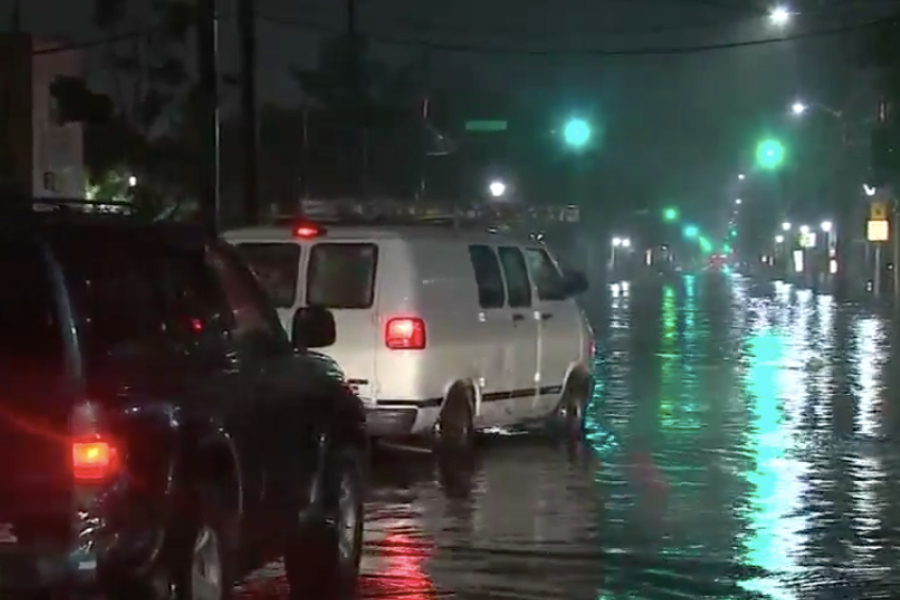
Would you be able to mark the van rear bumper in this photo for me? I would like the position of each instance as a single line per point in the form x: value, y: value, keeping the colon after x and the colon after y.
x: 385, y: 421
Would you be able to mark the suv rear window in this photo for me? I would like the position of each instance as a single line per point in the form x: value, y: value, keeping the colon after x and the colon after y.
x: 30, y: 332
x: 341, y: 275
x: 276, y: 266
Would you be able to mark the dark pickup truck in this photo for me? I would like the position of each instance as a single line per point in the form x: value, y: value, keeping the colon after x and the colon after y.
x: 160, y: 435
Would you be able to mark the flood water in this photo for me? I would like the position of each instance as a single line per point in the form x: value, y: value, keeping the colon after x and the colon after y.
x: 744, y: 443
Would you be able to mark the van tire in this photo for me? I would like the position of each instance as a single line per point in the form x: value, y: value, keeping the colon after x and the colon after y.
x: 570, y: 414
x: 454, y: 431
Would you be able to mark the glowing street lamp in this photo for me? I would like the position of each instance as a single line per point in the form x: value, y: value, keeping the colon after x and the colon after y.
x: 804, y: 229
x: 798, y: 108
x: 497, y: 188
x: 785, y: 226
x: 741, y: 176
x: 779, y: 239
x: 827, y: 226
x: 780, y: 15
x: 738, y: 201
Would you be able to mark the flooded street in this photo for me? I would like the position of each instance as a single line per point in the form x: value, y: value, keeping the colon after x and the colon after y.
x: 744, y: 443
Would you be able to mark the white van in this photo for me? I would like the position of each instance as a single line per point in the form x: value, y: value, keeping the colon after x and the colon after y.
x: 441, y: 331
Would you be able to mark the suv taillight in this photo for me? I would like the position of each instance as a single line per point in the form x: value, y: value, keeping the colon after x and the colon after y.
x: 405, y: 333
x: 95, y: 456
x: 93, y: 460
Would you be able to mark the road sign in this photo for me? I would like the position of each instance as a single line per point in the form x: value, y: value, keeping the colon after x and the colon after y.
x: 878, y: 211
x: 878, y: 230
x: 483, y: 126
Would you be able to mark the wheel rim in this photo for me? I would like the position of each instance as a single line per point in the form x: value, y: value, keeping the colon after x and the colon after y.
x: 206, y: 567
x: 347, y: 518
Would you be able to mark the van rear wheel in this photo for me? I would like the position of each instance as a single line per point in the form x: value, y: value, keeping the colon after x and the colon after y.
x: 454, y: 431
x: 569, y: 417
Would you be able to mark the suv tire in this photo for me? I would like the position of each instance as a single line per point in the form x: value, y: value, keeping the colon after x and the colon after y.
x: 322, y: 562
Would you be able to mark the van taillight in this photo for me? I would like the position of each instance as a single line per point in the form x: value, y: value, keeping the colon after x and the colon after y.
x: 93, y: 460
x: 405, y: 333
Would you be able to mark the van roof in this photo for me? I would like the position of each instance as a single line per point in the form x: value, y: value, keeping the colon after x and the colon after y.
x: 283, y: 233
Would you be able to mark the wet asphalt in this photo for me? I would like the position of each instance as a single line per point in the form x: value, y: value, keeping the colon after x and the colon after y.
x: 744, y: 442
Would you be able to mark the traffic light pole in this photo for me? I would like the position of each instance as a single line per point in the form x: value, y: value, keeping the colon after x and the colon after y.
x: 249, y: 125
x: 207, y: 50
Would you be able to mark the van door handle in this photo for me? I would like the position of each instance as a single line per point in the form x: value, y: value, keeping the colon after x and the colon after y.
x: 518, y: 317
x: 546, y: 316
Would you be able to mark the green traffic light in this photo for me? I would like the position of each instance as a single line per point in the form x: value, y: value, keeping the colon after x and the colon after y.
x: 770, y: 154
x: 577, y: 133
x: 670, y: 214
x: 705, y: 245
x: 691, y: 231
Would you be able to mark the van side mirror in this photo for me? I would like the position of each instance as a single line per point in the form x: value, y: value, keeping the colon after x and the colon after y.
x: 574, y: 283
x: 313, y: 327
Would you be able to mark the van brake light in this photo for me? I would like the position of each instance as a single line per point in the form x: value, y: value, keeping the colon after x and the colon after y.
x: 307, y: 230
x: 93, y: 460
x: 405, y: 333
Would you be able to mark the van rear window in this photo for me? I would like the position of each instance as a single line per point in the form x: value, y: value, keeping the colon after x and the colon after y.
x: 341, y: 275
x: 276, y: 266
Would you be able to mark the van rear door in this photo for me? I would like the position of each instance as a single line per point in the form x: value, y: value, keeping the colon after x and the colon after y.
x: 340, y: 275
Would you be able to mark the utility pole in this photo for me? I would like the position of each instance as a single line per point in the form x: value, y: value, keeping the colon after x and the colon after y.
x: 357, y: 150
x: 249, y: 125
x: 207, y: 50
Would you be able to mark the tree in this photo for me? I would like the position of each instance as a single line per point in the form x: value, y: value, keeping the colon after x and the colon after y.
x: 882, y: 52
x: 149, y: 73
x: 356, y: 109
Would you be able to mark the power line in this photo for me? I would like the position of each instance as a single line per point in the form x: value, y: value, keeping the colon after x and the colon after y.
x: 469, y: 48
x: 95, y: 43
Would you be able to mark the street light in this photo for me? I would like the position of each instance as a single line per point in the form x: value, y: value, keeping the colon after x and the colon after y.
x: 741, y: 176
x: 497, y: 188
x: 785, y: 226
x: 691, y: 231
x: 804, y: 229
x: 738, y: 201
x: 798, y: 108
x: 626, y: 243
x: 869, y: 190
x: 826, y: 226
x: 620, y: 242
x: 779, y: 239
x: 670, y: 214
x: 780, y: 15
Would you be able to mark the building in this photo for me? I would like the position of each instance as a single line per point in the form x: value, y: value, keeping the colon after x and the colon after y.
x: 39, y: 156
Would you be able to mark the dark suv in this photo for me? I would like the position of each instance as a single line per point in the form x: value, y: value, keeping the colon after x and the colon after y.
x: 161, y: 435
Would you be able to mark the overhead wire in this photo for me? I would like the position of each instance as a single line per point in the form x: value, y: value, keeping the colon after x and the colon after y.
x: 497, y: 49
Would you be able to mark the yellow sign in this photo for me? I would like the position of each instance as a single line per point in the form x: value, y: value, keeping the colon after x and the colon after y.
x: 878, y: 211
x: 878, y: 231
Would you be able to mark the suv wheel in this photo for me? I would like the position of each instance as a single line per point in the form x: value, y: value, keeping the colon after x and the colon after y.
x: 323, y: 563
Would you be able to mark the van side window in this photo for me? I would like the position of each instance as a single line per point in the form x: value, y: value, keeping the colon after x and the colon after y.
x: 516, y: 273
x: 341, y: 275
x: 547, y: 278
x: 487, y: 276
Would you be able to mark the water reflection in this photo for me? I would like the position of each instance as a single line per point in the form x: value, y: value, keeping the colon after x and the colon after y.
x: 743, y: 444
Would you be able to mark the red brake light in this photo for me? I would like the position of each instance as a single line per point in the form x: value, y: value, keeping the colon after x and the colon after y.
x: 307, y: 231
x: 405, y: 334
x: 93, y: 460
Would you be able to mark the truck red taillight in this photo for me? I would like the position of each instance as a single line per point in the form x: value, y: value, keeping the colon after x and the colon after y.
x: 405, y: 333
x: 94, y: 460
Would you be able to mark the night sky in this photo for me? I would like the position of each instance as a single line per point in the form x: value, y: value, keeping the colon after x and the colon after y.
x: 678, y: 125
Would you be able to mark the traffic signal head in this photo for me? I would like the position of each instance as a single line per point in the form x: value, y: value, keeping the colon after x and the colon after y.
x: 770, y: 154
x: 577, y: 133
x: 670, y: 214
x: 691, y: 231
